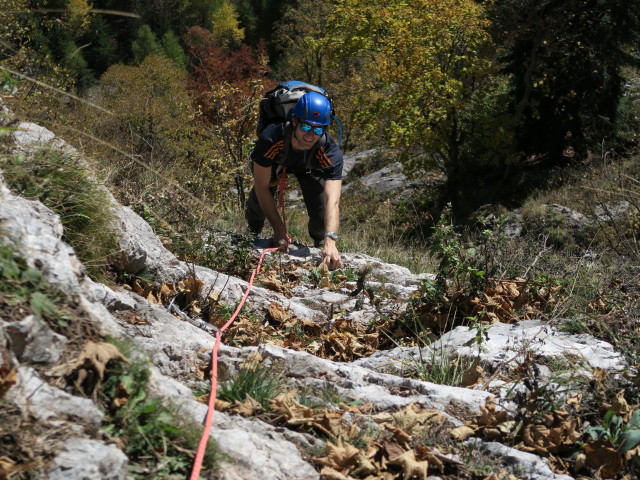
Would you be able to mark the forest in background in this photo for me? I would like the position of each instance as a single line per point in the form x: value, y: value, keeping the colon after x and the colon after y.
x: 495, y: 94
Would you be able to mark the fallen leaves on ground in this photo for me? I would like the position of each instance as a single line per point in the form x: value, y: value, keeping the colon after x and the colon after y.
x: 87, y: 371
x: 7, y: 379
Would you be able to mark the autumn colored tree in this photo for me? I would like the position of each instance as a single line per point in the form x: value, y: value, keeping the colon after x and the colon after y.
x: 225, y: 27
x: 227, y: 85
x: 411, y: 68
x: 152, y: 110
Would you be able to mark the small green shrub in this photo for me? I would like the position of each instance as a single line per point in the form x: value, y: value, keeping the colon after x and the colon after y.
x: 62, y: 184
x: 157, y: 440
x: 624, y: 436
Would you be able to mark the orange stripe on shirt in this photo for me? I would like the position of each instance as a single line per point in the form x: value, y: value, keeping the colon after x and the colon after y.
x: 322, y: 158
x: 275, y: 149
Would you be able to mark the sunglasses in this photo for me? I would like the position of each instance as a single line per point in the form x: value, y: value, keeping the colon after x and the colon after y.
x: 305, y: 127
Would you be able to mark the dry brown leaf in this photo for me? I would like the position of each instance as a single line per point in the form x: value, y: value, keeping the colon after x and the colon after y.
x: 95, y: 357
x: 8, y: 467
x: 473, y: 374
x: 393, y: 450
x: 489, y: 415
x: 165, y: 292
x: 121, y: 396
x: 272, y: 284
x: 364, y: 466
x: 220, y: 405
x: 248, y: 408
x: 329, y: 473
x: 602, y: 457
x: 252, y: 361
x: 399, y: 435
x: 560, y: 432
x: 340, y: 456
x: 214, y: 298
x: 619, y: 405
x: 278, y: 314
x: 7, y: 380
x: 462, y: 432
x: 410, y: 466
x: 580, y: 462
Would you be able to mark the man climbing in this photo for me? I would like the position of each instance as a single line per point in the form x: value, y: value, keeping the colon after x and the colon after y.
x: 301, y: 146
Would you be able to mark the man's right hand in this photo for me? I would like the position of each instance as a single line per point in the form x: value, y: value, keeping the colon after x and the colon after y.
x: 281, y: 240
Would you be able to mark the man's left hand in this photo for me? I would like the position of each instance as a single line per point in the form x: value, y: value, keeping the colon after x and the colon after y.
x: 331, y: 255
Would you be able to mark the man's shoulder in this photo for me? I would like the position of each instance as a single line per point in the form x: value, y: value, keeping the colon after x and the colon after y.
x: 330, y: 148
x: 272, y: 133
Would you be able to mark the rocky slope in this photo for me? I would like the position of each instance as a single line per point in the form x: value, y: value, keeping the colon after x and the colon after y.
x: 69, y: 443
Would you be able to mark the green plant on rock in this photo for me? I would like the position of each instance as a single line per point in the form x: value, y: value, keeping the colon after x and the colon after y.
x: 623, y: 436
x: 259, y: 382
x: 156, y: 438
x: 61, y: 183
x: 440, y: 368
x: 22, y: 286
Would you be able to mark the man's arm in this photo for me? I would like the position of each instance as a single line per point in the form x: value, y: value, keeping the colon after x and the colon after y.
x: 332, y: 191
x: 261, y: 179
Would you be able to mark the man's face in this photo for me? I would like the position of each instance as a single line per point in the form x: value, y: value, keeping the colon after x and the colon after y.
x: 302, y: 140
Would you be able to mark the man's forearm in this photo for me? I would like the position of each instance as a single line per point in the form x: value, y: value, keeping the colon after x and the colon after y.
x: 265, y: 199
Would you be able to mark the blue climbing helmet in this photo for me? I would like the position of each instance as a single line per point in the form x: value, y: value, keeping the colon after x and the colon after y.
x: 313, y: 108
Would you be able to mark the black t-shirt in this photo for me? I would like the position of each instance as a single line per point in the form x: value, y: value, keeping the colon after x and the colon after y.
x: 327, y: 162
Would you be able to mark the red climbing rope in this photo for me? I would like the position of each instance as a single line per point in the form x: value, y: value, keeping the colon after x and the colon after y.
x: 202, y: 446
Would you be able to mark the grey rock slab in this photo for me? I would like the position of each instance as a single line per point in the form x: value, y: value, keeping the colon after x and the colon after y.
x: 141, y: 249
x: 37, y: 398
x: 258, y: 450
x: 504, y: 341
x: 395, y: 362
x: 32, y: 340
x: 233, y: 289
x: 523, y: 464
x: 85, y: 459
x: 370, y: 386
x: 352, y: 159
x: 611, y: 212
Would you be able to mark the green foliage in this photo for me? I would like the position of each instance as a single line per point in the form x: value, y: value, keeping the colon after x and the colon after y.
x: 440, y: 368
x: 301, y: 36
x: 172, y: 49
x: 416, y: 62
x: 153, y: 118
x: 225, y: 27
x: 223, y: 255
x: 256, y: 381
x: 156, y: 438
x: 8, y: 84
x: 60, y: 182
x: 456, y: 259
x: 146, y: 43
x: 22, y: 286
x: 565, y: 59
x: 227, y: 86
x: 623, y: 436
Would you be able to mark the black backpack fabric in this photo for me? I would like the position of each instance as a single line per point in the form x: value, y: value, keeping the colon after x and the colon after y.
x: 276, y: 105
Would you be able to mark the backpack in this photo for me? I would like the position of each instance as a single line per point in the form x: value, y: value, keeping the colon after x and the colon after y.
x: 276, y: 105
